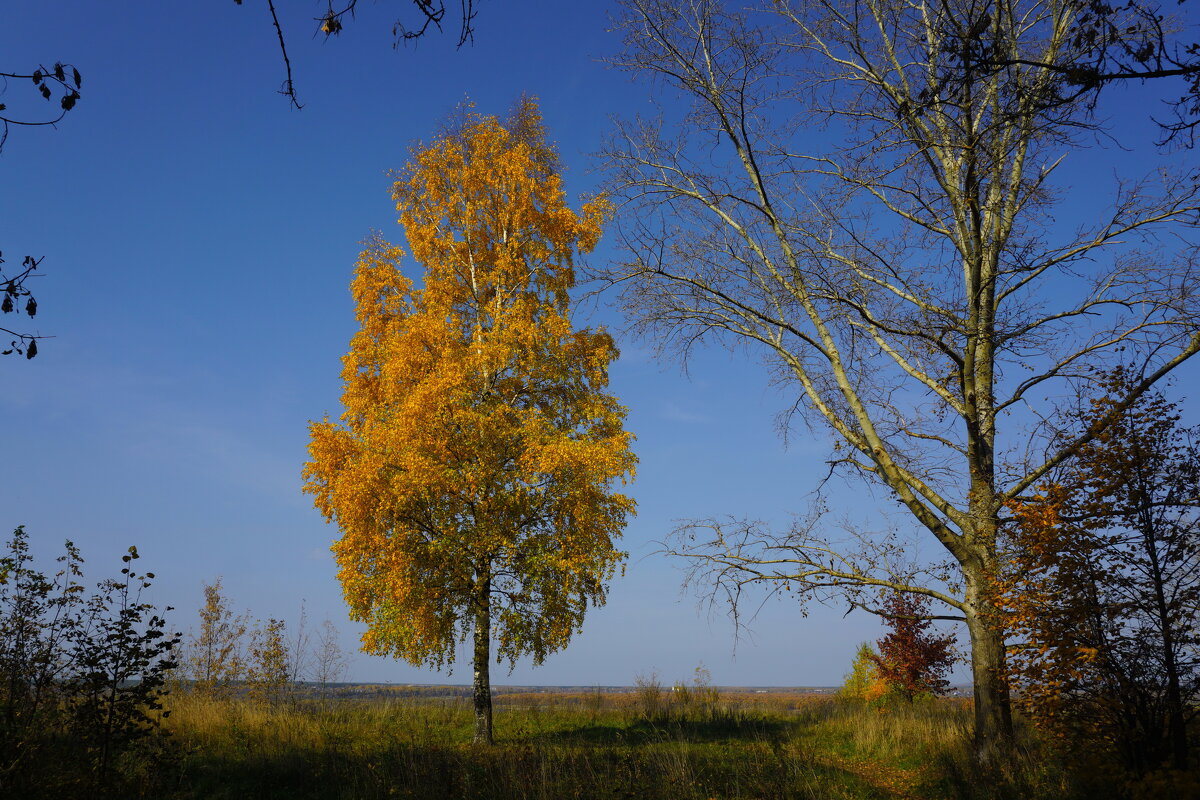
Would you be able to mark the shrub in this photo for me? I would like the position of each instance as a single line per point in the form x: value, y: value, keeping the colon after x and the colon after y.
x: 651, y: 703
x: 82, y: 677
x: 699, y: 697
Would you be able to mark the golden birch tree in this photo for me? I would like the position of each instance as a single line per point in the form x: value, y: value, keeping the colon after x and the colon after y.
x: 473, y: 471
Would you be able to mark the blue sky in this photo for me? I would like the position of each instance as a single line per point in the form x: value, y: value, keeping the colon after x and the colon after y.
x: 198, y: 237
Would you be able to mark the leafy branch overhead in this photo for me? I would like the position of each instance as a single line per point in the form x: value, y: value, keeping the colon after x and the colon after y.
x: 61, y: 82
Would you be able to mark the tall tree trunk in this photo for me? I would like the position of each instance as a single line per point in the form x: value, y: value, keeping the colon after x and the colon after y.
x: 1177, y: 738
x: 483, y: 656
x: 993, y: 711
x: 1176, y: 724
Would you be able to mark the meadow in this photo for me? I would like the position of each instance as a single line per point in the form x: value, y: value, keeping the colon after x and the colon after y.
x: 649, y: 743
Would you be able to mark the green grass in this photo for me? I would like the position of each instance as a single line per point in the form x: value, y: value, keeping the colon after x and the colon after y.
x: 581, y: 747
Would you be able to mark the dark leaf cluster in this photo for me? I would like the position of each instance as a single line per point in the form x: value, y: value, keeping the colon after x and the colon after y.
x: 12, y: 292
x: 1110, y: 43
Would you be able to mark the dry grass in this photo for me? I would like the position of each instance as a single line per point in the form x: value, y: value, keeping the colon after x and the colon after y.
x: 550, y: 745
x: 581, y: 745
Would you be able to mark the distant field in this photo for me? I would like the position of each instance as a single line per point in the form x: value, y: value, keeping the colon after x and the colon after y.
x: 464, y: 690
x: 458, y: 688
x: 432, y: 690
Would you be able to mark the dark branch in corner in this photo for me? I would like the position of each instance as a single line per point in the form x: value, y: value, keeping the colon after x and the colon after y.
x: 289, y: 87
x: 433, y: 16
x: 1109, y: 44
x: 433, y: 13
x: 48, y: 82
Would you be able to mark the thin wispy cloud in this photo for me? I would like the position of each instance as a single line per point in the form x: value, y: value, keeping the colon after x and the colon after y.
x: 673, y: 413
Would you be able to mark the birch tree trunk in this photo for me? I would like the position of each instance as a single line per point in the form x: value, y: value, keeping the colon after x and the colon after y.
x: 482, y: 694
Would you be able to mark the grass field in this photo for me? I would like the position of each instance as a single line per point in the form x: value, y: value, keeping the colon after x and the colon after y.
x: 585, y: 745
x: 650, y: 743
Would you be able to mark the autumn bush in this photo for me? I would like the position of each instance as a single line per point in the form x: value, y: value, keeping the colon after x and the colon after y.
x: 911, y: 662
x: 213, y: 659
x: 1101, y: 587
x: 863, y: 683
x: 269, y: 673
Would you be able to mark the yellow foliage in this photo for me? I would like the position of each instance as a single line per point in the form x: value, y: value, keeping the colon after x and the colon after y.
x: 268, y: 674
x: 863, y: 683
x: 876, y: 690
x: 473, y: 465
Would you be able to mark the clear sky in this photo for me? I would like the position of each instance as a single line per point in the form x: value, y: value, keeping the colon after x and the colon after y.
x: 198, y: 237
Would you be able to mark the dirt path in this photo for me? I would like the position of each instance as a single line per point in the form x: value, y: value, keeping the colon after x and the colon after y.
x: 896, y: 782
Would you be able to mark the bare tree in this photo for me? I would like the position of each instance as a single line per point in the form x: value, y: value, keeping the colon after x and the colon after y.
x: 329, y: 659
x: 299, y: 658
x: 907, y: 279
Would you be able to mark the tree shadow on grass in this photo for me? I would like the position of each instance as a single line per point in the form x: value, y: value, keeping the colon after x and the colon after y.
x: 732, y: 728
x: 578, y: 769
